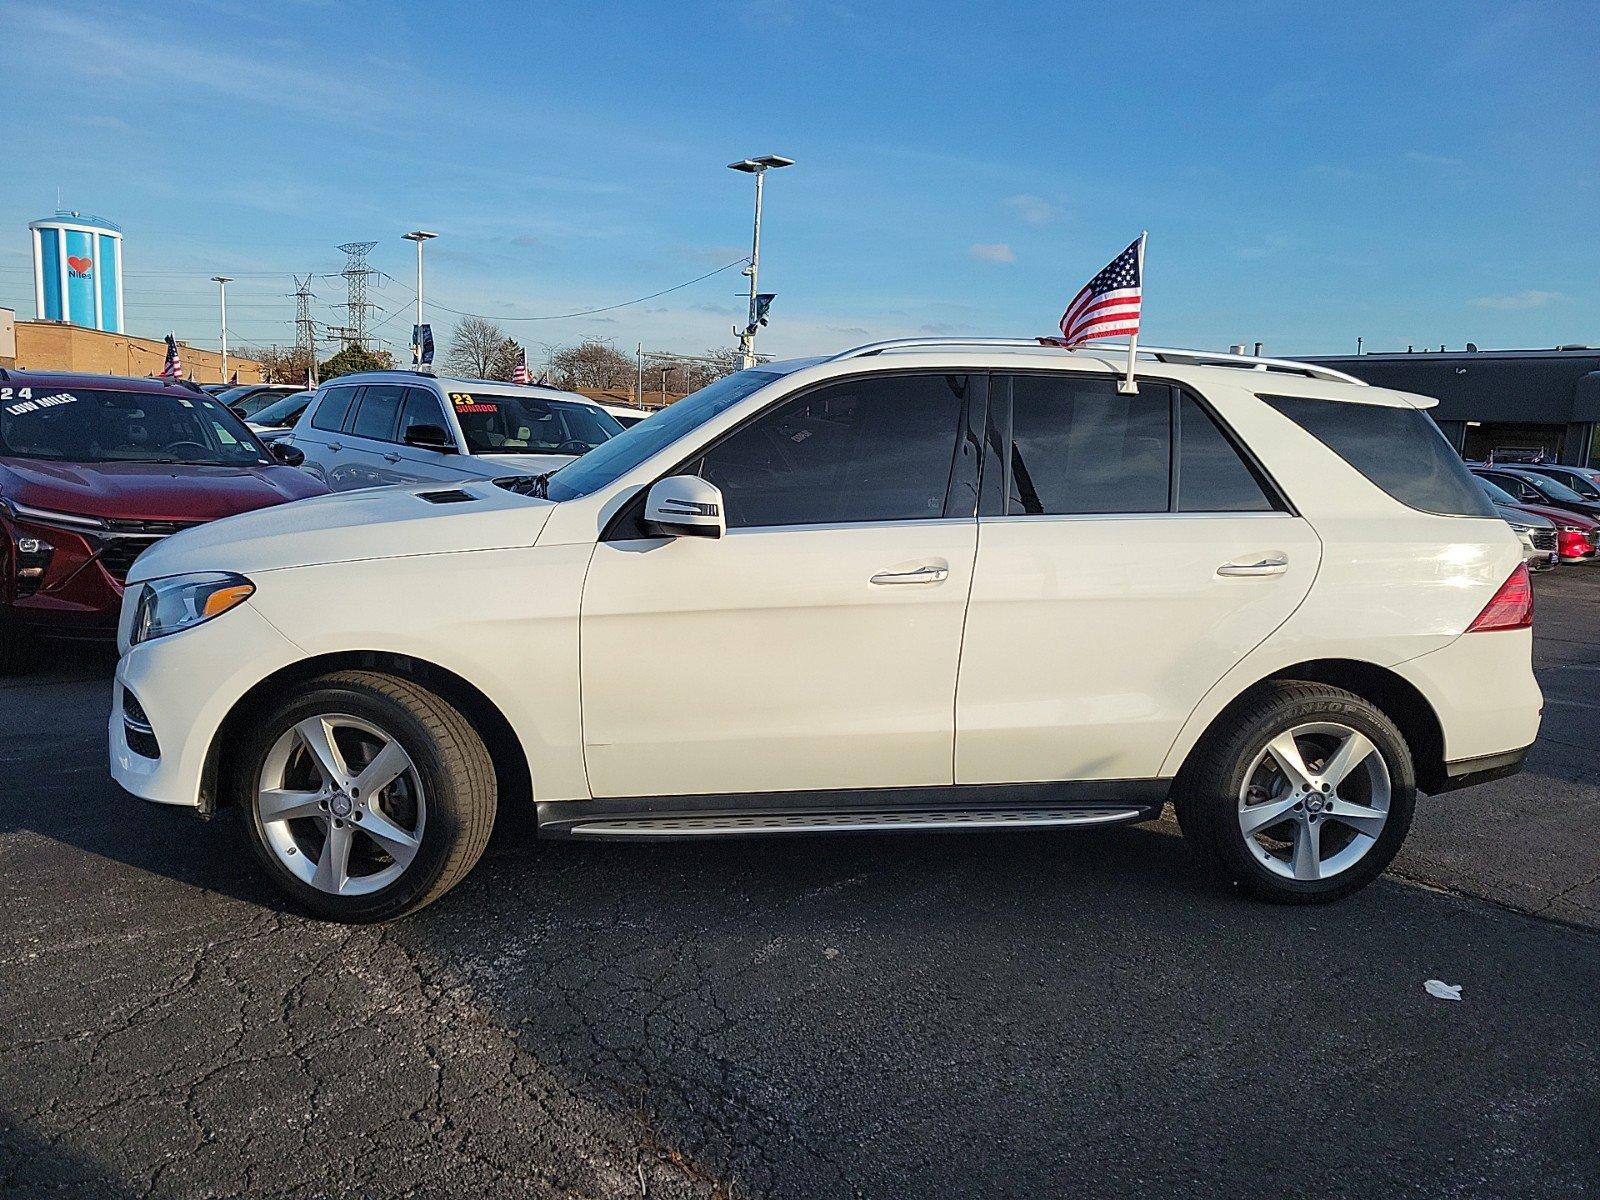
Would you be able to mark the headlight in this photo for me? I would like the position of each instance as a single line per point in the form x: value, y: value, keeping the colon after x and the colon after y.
x: 181, y: 601
x: 1515, y: 528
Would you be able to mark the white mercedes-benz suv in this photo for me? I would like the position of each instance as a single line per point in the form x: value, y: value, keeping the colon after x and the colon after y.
x: 918, y: 585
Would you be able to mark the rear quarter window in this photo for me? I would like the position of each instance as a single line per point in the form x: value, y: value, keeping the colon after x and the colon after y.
x: 1398, y: 449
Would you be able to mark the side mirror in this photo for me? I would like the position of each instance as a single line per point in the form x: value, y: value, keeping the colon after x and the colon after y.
x: 685, y: 506
x: 238, y: 411
x: 430, y: 437
x: 289, y: 456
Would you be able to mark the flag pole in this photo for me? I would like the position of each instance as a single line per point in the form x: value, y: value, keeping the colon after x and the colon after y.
x: 1128, y: 386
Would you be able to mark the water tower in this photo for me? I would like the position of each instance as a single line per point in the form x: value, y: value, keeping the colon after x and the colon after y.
x: 77, y: 271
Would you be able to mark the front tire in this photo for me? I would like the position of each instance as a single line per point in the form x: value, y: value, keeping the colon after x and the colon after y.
x: 364, y: 796
x: 1302, y: 797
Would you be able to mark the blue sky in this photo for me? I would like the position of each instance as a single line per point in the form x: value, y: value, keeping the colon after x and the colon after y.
x: 1406, y: 172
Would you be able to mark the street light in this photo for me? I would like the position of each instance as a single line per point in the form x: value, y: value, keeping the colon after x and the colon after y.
x: 222, y: 282
x: 418, y: 236
x: 759, y: 168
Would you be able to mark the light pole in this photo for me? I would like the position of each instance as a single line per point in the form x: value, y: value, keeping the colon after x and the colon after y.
x: 759, y: 168
x: 222, y: 282
x: 418, y: 236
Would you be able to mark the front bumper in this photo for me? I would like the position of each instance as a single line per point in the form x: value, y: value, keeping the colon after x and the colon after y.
x: 186, y: 684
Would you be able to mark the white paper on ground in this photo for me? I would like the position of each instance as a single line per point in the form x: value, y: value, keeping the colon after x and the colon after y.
x: 1440, y: 990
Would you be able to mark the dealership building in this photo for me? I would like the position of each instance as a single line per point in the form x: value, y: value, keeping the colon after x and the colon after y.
x: 1505, y: 400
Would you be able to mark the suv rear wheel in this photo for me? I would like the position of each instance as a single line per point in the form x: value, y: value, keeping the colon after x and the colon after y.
x: 1305, y: 796
x: 364, y: 795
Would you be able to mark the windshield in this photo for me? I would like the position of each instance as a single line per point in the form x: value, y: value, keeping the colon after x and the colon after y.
x: 283, y: 412
x: 1559, y: 492
x: 633, y: 445
x: 504, y: 424
x: 89, y: 425
x: 1497, y: 493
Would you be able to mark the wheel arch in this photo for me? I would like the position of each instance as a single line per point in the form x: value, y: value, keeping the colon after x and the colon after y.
x: 513, y: 777
x: 1398, y: 698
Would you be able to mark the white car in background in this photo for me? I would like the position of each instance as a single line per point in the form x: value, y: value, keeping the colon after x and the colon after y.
x: 918, y: 585
x: 626, y: 414
x: 386, y: 427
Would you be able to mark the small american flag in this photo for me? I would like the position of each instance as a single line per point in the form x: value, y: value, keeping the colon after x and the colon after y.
x: 1108, y: 305
x: 520, y: 373
x: 173, y: 367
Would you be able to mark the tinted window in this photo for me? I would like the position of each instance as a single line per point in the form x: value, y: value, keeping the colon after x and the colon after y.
x: 875, y: 449
x: 623, y: 453
x: 1524, y: 492
x: 1399, y: 449
x: 1576, y: 482
x: 1496, y: 493
x: 283, y: 412
x: 1211, y: 475
x: 422, y: 408
x: 378, y: 412
x: 1078, y: 446
x: 1554, y: 489
x: 331, y: 409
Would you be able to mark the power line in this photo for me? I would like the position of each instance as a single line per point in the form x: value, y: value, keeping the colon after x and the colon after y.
x: 587, y: 312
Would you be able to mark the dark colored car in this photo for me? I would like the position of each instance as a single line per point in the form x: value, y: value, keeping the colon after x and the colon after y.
x: 1583, y: 480
x: 93, y: 469
x: 1531, y: 487
x: 247, y: 399
x: 1577, y: 531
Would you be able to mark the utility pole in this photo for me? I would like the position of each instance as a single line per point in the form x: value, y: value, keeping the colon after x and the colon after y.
x: 356, y: 272
x: 747, y: 337
x: 305, y: 333
x: 418, y: 236
x: 222, y: 282
x: 638, y: 391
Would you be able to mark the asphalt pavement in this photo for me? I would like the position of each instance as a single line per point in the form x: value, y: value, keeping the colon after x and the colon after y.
x: 1074, y: 1014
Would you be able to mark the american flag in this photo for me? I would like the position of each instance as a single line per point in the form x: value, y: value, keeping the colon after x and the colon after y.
x: 520, y: 373
x: 172, y: 368
x: 1108, y: 305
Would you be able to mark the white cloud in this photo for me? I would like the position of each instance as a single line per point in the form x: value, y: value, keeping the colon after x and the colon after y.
x: 1035, y: 210
x: 1519, y: 300
x: 992, y: 252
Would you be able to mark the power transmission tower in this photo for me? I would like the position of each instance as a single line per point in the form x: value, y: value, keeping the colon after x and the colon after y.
x: 305, y: 333
x: 356, y: 272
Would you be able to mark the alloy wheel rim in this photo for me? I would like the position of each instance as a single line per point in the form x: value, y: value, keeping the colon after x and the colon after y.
x: 1314, y: 801
x: 341, y: 804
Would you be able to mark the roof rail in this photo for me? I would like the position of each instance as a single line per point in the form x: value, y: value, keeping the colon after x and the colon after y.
x: 1163, y: 354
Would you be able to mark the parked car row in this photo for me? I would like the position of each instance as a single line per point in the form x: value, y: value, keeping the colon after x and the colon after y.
x: 1542, y: 507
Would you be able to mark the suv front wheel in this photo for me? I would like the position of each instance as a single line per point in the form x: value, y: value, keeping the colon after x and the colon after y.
x: 1305, y: 796
x: 365, y: 796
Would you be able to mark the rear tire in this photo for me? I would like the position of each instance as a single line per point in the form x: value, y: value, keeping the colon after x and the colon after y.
x: 1304, y: 833
x: 298, y: 782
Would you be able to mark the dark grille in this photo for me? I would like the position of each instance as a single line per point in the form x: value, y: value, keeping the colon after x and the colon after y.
x: 118, y: 555
x: 158, y: 528
x: 1544, y: 539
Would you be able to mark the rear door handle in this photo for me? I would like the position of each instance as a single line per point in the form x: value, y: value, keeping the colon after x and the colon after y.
x: 391, y: 458
x: 926, y: 573
x: 335, y: 445
x: 1267, y: 564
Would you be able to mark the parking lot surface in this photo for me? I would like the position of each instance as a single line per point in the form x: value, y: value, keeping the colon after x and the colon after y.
x: 1079, y: 1014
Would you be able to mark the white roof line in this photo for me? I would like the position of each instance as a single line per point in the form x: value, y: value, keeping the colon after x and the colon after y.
x: 1163, y: 354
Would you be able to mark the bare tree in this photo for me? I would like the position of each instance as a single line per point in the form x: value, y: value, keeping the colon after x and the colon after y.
x: 477, y: 348
x: 281, y: 364
x: 593, y: 365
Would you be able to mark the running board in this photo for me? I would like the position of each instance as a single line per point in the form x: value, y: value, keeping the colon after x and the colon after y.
x: 730, y: 824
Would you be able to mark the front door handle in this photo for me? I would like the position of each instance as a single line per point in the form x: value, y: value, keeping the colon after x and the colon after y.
x: 1267, y: 564
x: 391, y: 458
x: 926, y: 573
x: 335, y: 445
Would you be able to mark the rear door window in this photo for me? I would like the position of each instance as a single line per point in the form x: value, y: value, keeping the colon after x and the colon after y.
x: 1212, y: 476
x: 1400, y: 450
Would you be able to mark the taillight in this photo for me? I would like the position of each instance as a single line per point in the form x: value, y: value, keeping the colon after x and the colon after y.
x: 1511, y: 607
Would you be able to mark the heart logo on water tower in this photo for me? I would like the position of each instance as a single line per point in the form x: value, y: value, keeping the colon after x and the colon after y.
x: 80, y: 266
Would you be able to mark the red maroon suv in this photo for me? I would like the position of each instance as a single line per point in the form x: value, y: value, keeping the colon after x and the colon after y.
x: 94, y: 468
